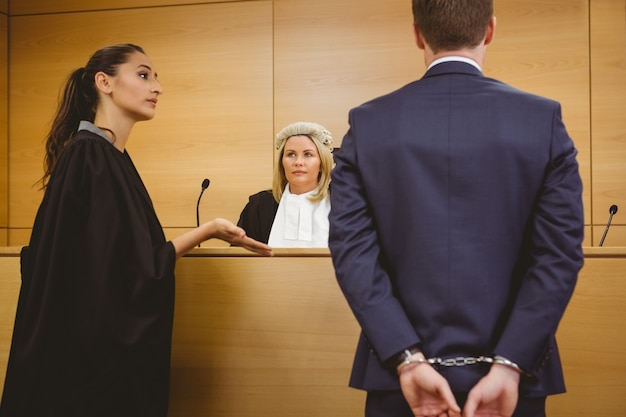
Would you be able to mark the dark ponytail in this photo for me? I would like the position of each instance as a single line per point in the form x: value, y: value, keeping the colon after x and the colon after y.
x: 79, y: 100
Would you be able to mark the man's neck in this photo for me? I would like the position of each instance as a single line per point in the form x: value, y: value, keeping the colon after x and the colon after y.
x: 455, y: 58
x: 475, y: 54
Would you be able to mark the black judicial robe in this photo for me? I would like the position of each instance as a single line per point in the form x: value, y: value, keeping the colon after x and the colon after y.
x: 258, y: 215
x: 93, y: 326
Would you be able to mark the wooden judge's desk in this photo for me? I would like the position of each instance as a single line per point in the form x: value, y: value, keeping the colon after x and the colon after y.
x: 274, y: 337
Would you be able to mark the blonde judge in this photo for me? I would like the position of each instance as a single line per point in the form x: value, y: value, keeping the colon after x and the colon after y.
x: 294, y: 213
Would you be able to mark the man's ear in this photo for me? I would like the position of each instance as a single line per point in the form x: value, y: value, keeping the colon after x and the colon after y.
x: 491, y: 31
x: 102, y: 82
x: 419, y: 39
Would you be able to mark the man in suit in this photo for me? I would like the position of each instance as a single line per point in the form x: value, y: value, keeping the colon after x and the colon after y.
x: 456, y: 228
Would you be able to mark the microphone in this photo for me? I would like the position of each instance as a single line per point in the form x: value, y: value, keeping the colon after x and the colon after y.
x: 205, y: 185
x: 612, y: 211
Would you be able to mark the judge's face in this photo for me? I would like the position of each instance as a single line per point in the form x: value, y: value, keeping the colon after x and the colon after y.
x: 135, y: 89
x: 302, y: 163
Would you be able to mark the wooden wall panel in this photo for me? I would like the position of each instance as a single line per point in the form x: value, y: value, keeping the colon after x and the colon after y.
x: 608, y: 72
x: 593, y: 344
x: 214, y: 119
x: 4, y: 139
x: 542, y: 47
x: 332, y: 55
x: 616, y: 236
x: 10, y: 282
x: 274, y: 336
x: 587, y: 239
x: 325, y: 58
x: 20, y: 236
x: 23, y: 7
x: 252, y: 337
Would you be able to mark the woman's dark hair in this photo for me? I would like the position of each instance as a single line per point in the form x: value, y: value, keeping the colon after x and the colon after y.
x: 79, y: 99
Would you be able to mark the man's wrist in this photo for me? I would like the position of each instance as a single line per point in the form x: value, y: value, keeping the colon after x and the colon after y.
x: 396, y: 360
x: 500, y: 360
x: 412, y: 356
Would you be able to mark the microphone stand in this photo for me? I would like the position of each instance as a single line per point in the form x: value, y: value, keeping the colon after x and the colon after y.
x: 205, y: 185
x: 612, y: 211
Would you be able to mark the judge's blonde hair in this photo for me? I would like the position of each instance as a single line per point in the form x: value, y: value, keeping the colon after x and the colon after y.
x: 323, y: 141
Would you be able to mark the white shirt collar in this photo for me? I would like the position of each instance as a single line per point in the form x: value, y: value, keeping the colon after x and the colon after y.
x: 454, y: 58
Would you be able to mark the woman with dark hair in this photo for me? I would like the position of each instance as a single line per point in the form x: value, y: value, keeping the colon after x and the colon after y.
x: 93, y: 327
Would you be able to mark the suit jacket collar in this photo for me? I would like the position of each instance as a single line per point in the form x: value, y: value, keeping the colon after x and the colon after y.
x: 453, y: 67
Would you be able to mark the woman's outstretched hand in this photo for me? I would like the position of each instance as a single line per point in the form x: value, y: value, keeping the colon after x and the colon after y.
x: 227, y: 231
x: 218, y: 229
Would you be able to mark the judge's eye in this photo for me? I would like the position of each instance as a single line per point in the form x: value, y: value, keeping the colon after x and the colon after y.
x: 144, y: 75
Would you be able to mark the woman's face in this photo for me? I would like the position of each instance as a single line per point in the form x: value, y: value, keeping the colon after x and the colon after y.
x: 135, y: 88
x: 302, y: 164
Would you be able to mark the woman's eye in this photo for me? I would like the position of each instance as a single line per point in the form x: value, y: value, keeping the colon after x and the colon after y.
x: 144, y: 75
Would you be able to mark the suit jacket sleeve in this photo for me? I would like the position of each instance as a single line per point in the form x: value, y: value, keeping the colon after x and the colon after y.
x: 554, y: 249
x: 359, y: 263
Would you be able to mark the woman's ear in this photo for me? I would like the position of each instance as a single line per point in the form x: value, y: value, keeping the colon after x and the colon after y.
x: 102, y: 82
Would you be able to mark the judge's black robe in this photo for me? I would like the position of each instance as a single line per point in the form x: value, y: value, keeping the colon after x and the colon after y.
x: 93, y: 326
x: 257, y: 217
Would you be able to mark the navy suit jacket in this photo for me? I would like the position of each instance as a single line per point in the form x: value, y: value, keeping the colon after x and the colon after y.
x: 456, y: 223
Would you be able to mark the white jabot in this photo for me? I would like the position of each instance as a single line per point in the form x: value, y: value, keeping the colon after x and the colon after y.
x: 300, y: 223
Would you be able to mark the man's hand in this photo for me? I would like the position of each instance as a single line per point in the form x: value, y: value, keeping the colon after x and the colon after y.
x: 427, y: 392
x: 495, y: 395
